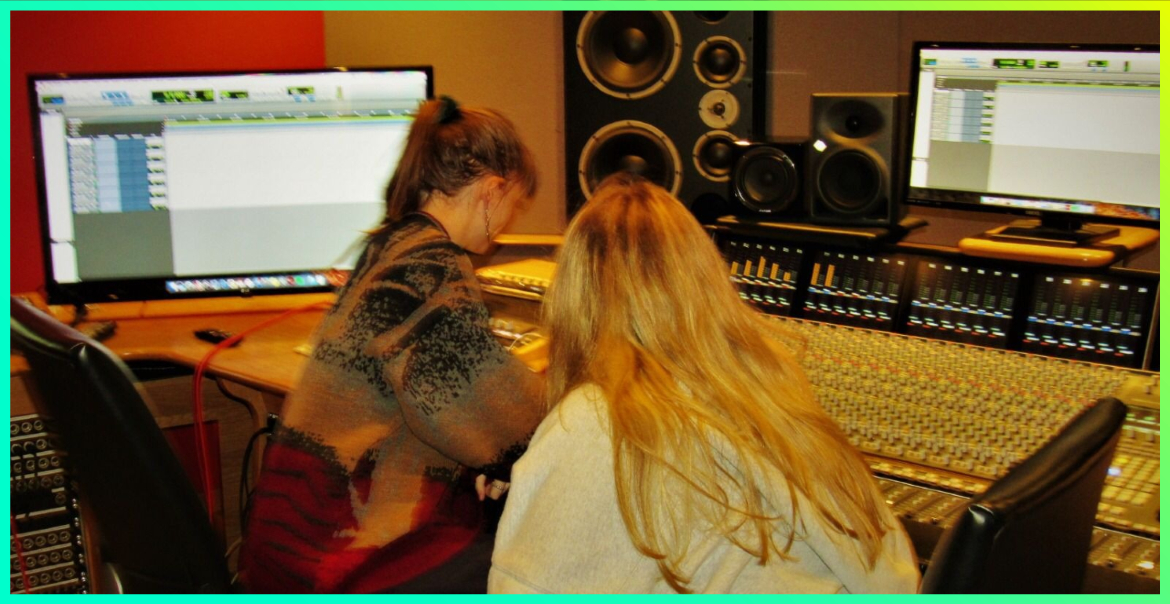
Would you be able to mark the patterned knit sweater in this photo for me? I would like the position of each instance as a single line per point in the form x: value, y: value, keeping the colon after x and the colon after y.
x: 367, y: 482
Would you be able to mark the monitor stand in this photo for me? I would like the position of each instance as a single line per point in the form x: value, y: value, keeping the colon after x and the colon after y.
x: 842, y: 236
x: 1053, y: 231
x: 1068, y: 244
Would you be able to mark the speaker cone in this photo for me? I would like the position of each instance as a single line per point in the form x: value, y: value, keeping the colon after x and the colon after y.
x: 711, y: 16
x: 628, y: 54
x: 630, y: 146
x: 720, y: 61
x: 714, y: 155
x: 766, y: 180
x: 850, y: 182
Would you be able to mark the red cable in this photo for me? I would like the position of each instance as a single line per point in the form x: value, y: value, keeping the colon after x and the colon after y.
x: 197, y: 397
x: 20, y: 554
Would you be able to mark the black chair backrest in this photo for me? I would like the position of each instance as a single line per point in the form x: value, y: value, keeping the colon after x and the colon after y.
x: 153, y: 530
x: 1030, y: 531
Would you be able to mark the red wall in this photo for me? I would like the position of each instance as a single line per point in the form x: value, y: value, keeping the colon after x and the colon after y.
x: 75, y: 41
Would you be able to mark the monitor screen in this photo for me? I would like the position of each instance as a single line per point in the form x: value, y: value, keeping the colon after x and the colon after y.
x: 157, y: 186
x: 1057, y: 130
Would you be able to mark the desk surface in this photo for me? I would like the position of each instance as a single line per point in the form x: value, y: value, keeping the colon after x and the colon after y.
x: 165, y: 331
x: 264, y: 360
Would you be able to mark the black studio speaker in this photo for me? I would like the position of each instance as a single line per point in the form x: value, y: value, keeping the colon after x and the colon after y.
x: 662, y: 94
x: 767, y: 181
x: 854, y: 159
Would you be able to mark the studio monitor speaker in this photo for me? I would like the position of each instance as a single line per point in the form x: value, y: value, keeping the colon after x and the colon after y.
x: 662, y: 94
x: 854, y: 159
x: 767, y: 180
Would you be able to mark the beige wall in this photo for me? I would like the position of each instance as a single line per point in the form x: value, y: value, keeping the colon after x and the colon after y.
x: 870, y: 51
x: 512, y: 61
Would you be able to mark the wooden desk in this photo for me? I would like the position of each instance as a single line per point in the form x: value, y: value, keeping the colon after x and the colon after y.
x: 265, y: 361
x: 265, y: 364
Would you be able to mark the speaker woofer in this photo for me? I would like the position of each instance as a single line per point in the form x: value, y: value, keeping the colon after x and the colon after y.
x: 630, y: 146
x: 720, y: 61
x: 628, y: 54
x: 850, y: 182
x: 766, y: 180
x: 714, y: 155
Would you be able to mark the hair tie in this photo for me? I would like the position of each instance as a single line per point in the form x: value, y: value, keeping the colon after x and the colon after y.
x: 448, y: 110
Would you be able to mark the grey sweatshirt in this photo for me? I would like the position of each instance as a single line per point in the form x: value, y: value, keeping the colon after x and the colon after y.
x: 562, y: 530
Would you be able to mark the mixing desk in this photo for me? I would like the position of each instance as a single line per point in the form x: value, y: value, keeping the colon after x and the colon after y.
x: 938, y: 421
x: 954, y: 417
x: 1104, y: 318
x: 945, y: 373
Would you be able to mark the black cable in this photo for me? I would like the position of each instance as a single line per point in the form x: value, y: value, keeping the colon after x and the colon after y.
x: 245, y: 489
x: 223, y: 389
x: 219, y: 382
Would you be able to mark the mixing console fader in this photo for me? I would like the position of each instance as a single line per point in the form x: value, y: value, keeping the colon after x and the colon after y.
x: 855, y: 289
x: 1104, y: 317
x: 765, y: 273
x: 962, y: 303
x: 46, y: 551
x: 952, y: 418
x: 1089, y: 319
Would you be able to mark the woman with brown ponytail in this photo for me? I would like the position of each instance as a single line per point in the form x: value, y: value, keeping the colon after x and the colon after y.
x: 366, y: 484
x: 686, y: 452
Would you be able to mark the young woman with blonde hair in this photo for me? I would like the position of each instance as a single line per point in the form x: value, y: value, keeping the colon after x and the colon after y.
x: 686, y: 451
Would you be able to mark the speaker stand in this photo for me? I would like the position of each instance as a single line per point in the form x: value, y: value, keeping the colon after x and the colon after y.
x: 1102, y: 252
x: 841, y: 236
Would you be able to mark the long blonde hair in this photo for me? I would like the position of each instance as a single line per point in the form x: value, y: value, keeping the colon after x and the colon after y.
x: 703, y: 397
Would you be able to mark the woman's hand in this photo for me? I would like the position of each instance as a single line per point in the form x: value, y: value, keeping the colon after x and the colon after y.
x: 495, y: 489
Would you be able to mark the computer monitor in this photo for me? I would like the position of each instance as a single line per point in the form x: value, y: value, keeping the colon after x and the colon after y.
x: 1068, y: 133
x: 164, y: 186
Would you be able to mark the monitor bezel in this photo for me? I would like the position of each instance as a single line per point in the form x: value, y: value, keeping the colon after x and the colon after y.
x: 939, y: 201
x: 154, y: 288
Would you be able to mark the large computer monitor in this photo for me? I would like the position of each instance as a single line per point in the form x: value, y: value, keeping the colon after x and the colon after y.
x: 1068, y: 133
x: 162, y: 186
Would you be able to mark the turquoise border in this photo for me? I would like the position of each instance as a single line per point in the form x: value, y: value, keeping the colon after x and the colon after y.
x: 822, y: 5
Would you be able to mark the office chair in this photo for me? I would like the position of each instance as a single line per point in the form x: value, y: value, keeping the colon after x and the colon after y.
x: 153, y: 532
x: 1030, y: 531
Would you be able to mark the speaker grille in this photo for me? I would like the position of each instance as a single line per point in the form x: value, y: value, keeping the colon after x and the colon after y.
x: 630, y: 146
x: 629, y: 54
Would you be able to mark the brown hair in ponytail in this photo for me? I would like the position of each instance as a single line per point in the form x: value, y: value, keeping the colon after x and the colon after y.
x: 448, y: 148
